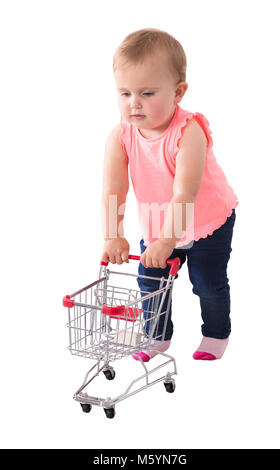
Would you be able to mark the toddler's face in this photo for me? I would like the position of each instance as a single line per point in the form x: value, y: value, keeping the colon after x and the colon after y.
x: 148, y: 89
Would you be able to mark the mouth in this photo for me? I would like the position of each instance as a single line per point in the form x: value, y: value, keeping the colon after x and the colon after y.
x: 137, y: 116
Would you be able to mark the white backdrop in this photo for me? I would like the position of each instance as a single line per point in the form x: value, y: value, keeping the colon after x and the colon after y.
x: 57, y: 105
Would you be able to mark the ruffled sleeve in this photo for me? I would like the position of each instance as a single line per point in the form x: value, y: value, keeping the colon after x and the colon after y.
x: 201, y: 120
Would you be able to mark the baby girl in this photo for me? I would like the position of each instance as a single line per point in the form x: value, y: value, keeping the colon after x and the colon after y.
x: 169, y: 153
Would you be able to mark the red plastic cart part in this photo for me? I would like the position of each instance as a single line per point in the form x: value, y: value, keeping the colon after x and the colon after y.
x: 121, y: 312
x: 174, y: 263
x: 67, y: 302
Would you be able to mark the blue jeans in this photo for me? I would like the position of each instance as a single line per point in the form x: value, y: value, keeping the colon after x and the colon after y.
x: 207, y: 261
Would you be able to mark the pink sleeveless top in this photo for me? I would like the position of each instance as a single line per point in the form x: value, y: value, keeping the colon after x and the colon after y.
x: 152, y: 164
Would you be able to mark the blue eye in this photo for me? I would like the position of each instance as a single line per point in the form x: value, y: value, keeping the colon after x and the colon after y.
x: 148, y: 94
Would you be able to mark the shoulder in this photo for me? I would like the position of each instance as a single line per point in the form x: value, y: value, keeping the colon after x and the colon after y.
x: 193, y: 134
x: 114, y: 146
x: 115, y: 135
x: 114, y: 132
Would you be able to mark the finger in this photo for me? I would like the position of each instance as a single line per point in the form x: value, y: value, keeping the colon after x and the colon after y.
x: 155, y: 263
x: 125, y: 257
x: 105, y: 257
x: 143, y: 260
x: 119, y: 259
x: 112, y: 259
x: 149, y: 263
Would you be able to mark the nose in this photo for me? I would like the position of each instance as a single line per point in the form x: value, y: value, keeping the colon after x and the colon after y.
x: 135, y: 102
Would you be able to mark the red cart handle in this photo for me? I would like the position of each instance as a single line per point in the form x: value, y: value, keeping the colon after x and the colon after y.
x: 173, y: 262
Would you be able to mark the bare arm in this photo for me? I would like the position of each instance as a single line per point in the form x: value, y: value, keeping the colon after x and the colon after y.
x: 190, y: 162
x: 115, y: 189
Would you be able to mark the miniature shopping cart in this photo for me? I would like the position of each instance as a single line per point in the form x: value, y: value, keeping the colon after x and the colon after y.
x: 107, y: 322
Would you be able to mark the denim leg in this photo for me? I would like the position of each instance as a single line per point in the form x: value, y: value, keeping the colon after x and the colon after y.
x: 207, y: 263
x: 164, y: 327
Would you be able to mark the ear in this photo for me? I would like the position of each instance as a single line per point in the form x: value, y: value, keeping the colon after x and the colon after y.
x: 181, y: 89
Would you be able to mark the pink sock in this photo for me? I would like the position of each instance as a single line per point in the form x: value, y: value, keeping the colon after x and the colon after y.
x: 210, y: 349
x: 146, y: 355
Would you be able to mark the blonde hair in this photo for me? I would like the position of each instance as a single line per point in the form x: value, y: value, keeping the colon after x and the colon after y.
x: 143, y: 43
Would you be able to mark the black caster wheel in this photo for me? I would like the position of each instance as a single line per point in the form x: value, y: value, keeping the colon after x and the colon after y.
x: 109, y: 374
x: 86, y: 407
x: 169, y: 386
x: 110, y: 412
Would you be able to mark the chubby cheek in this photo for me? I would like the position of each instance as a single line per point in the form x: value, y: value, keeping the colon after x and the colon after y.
x: 159, y: 111
x: 122, y: 107
x: 126, y: 110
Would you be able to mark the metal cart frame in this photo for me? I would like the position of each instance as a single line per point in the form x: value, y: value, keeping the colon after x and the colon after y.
x: 95, y: 314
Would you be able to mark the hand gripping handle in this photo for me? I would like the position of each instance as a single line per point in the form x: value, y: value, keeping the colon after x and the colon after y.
x: 173, y: 262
